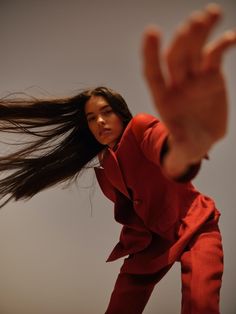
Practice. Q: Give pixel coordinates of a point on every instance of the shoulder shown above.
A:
(144, 119)
(141, 122)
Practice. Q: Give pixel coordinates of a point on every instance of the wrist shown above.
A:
(177, 162)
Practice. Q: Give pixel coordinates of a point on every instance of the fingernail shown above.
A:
(214, 8)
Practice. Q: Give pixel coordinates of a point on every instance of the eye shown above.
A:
(91, 118)
(107, 111)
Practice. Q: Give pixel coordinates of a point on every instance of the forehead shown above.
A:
(95, 103)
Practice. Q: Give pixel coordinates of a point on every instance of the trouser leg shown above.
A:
(131, 292)
(202, 268)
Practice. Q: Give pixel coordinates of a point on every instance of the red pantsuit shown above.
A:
(163, 221)
(201, 266)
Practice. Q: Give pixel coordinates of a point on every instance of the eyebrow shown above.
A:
(103, 107)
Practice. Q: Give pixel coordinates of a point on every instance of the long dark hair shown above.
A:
(61, 143)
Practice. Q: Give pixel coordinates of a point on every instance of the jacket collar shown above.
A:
(113, 172)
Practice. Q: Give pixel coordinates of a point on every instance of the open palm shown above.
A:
(188, 86)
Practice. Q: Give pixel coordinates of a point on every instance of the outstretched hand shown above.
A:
(188, 87)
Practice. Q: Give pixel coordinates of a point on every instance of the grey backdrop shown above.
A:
(53, 248)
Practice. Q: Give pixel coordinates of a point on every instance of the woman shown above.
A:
(145, 165)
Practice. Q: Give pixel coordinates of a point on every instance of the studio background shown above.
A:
(53, 248)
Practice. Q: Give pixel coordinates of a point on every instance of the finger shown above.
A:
(152, 64)
(201, 24)
(214, 52)
(184, 54)
(176, 56)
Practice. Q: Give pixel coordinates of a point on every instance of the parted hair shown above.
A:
(60, 144)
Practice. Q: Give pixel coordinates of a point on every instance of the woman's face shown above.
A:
(103, 122)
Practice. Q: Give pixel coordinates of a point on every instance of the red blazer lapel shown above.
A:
(105, 185)
(113, 172)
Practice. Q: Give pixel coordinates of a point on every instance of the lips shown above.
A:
(104, 132)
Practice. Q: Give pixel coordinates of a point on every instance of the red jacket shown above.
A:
(159, 216)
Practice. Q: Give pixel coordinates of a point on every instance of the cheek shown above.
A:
(93, 129)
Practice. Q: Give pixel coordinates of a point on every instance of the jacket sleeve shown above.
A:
(152, 135)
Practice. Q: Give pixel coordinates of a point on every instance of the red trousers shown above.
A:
(201, 273)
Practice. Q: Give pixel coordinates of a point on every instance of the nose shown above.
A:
(100, 120)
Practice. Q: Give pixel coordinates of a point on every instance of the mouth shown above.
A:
(104, 132)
